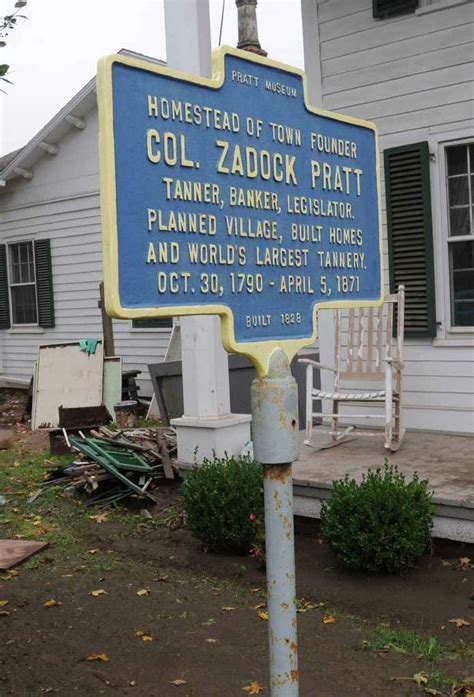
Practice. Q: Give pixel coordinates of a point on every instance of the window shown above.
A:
(389, 8)
(460, 198)
(26, 286)
(153, 323)
(22, 283)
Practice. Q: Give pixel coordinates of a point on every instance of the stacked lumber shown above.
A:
(113, 465)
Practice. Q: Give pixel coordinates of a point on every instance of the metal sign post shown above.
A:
(233, 196)
(275, 438)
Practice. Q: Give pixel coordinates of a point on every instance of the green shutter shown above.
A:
(386, 8)
(152, 323)
(410, 237)
(4, 300)
(44, 283)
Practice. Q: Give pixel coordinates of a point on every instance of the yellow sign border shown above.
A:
(259, 351)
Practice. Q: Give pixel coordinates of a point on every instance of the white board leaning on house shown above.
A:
(65, 376)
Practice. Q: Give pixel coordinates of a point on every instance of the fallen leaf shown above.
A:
(52, 603)
(98, 657)
(211, 641)
(464, 562)
(228, 609)
(209, 622)
(100, 517)
(260, 605)
(255, 590)
(420, 678)
(92, 551)
(459, 622)
(144, 636)
(96, 593)
(143, 591)
(178, 682)
(432, 691)
(305, 605)
(329, 619)
(254, 688)
(184, 615)
(263, 614)
(4, 602)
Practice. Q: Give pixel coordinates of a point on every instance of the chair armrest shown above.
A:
(398, 365)
(316, 364)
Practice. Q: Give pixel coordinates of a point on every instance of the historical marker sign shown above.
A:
(233, 196)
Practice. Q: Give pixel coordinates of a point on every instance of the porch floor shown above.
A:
(446, 461)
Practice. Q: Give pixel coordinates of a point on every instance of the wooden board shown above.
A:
(65, 376)
(13, 552)
(112, 386)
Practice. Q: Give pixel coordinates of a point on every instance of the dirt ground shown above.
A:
(173, 620)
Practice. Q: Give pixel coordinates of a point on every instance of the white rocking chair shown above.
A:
(365, 349)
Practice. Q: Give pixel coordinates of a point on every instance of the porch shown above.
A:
(446, 461)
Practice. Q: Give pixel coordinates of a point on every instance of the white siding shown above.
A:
(413, 76)
(61, 203)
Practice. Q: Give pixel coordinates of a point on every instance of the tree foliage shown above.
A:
(7, 23)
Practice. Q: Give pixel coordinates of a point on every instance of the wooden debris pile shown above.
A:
(113, 465)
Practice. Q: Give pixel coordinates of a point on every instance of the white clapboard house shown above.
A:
(404, 64)
(50, 248)
(408, 66)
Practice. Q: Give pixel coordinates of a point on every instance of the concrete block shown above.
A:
(200, 438)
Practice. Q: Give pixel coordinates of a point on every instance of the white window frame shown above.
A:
(25, 325)
(427, 6)
(450, 331)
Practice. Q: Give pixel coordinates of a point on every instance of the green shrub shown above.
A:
(223, 501)
(381, 524)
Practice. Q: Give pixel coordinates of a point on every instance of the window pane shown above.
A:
(457, 159)
(459, 221)
(463, 288)
(464, 314)
(15, 263)
(21, 263)
(462, 283)
(462, 255)
(24, 304)
(458, 191)
(471, 157)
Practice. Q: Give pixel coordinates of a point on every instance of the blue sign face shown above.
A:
(239, 197)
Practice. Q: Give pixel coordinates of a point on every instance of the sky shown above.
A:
(54, 52)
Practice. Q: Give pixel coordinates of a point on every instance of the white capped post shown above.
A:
(207, 426)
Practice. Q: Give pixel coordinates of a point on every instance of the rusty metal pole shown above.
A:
(275, 439)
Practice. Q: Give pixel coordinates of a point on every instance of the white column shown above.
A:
(312, 65)
(207, 426)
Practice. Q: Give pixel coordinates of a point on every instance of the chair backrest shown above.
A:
(364, 337)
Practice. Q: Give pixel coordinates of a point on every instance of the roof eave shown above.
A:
(70, 116)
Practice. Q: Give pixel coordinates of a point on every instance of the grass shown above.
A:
(410, 642)
(428, 648)
(439, 681)
(64, 521)
(56, 517)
